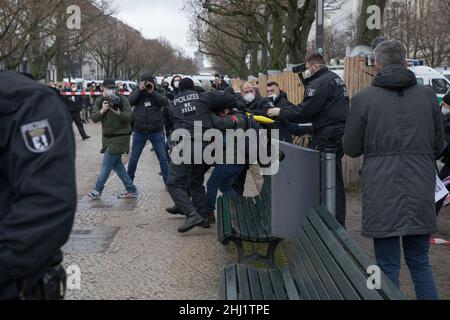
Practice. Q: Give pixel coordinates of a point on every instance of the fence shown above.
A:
(357, 77)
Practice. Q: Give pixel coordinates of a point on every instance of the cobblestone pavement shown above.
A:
(148, 259)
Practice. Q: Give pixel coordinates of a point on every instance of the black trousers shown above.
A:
(76, 117)
(186, 188)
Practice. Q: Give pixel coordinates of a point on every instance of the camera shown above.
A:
(299, 68)
(114, 102)
(149, 85)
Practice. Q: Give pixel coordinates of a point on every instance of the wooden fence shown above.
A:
(357, 77)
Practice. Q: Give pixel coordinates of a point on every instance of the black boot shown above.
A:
(174, 210)
(193, 220)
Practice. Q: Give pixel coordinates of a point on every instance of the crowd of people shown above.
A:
(397, 125)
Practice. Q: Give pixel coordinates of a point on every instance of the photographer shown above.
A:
(148, 117)
(114, 112)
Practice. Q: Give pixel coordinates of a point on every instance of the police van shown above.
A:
(432, 78)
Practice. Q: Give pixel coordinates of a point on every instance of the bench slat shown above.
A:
(244, 288)
(253, 220)
(231, 282)
(278, 285)
(226, 232)
(255, 285)
(266, 285)
(235, 223)
(249, 232)
(302, 278)
(289, 284)
(338, 276)
(313, 275)
(265, 215)
(261, 227)
(388, 288)
(353, 272)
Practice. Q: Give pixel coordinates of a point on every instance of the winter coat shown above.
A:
(397, 126)
(116, 129)
(326, 106)
(148, 111)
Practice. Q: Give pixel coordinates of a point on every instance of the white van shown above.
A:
(433, 78)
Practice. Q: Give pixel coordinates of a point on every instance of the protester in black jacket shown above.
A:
(148, 115)
(37, 188)
(253, 102)
(76, 104)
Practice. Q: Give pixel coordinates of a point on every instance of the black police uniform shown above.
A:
(326, 105)
(37, 187)
(76, 105)
(186, 180)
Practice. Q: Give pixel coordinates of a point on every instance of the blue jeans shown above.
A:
(114, 162)
(159, 145)
(416, 248)
(222, 178)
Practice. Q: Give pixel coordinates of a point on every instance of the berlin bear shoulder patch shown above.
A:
(311, 92)
(38, 136)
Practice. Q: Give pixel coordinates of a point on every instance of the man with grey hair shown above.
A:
(397, 126)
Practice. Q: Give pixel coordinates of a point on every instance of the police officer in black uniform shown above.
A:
(326, 105)
(37, 188)
(186, 179)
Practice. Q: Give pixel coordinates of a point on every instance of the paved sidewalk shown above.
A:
(147, 258)
(130, 249)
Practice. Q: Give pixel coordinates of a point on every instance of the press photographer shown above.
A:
(114, 112)
(148, 115)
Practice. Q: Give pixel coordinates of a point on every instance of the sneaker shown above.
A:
(94, 195)
(128, 195)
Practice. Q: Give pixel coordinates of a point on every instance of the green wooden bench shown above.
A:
(248, 219)
(326, 264)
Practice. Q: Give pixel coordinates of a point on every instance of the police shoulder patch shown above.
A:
(38, 136)
(311, 92)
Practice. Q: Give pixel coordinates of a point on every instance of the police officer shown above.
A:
(76, 104)
(326, 106)
(37, 188)
(186, 179)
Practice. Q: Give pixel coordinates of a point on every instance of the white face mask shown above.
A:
(307, 74)
(249, 98)
(445, 111)
(274, 97)
(176, 84)
(109, 92)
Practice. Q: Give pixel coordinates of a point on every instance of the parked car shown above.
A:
(433, 78)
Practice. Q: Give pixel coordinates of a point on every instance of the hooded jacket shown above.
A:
(397, 125)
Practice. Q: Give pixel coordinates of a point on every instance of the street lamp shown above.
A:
(320, 12)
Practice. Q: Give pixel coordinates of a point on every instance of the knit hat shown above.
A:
(187, 84)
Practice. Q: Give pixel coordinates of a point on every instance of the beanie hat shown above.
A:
(187, 84)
